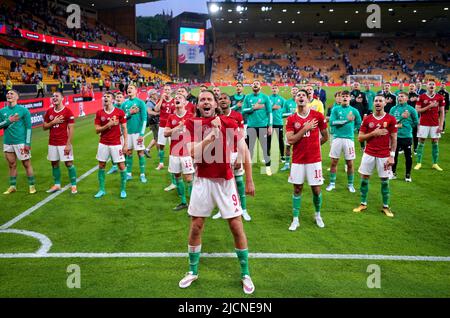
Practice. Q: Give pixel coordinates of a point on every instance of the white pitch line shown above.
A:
(233, 255)
(48, 199)
(46, 244)
(43, 202)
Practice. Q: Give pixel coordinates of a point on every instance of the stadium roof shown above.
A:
(284, 17)
(108, 4)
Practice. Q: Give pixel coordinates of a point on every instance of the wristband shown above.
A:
(392, 154)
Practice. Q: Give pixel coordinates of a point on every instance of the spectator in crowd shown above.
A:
(2, 92)
(9, 84)
(61, 85)
(107, 84)
(12, 66)
(100, 84)
(40, 89)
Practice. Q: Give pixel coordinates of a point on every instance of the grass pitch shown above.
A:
(145, 222)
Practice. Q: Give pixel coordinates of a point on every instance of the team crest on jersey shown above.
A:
(385, 124)
(174, 122)
(425, 101)
(371, 125)
(103, 118)
(297, 125)
(52, 117)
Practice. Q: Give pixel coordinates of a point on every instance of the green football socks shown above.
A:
(419, 152)
(243, 261)
(241, 191)
(364, 190)
(296, 203)
(435, 152)
(101, 179)
(385, 192)
(194, 258)
(72, 175)
(56, 171)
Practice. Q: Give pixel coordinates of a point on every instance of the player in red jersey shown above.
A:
(380, 131)
(60, 121)
(180, 160)
(306, 130)
(236, 163)
(165, 107)
(212, 139)
(190, 107)
(107, 121)
(431, 109)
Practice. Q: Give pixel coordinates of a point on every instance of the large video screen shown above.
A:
(192, 36)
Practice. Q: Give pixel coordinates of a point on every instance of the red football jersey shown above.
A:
(307, 150)
(111, 136)
(379, 146)
(431, 116)
(215, 161)
(179, 140)
(191, 108)
(167, 108)
(240, 122)
(58, 133)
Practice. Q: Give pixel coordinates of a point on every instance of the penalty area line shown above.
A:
(49, 198)
(233, 255)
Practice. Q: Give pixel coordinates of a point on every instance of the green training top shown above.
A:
(343, 127)
(137, 122)
(261, 117)
(16, 132)
(370, 96)
(277, 114)
(289, 107)
(408, 123)
(235, 99)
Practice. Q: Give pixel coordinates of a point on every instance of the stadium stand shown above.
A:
(34, 16)
(303, 58)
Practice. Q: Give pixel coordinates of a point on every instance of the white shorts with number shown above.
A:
(184, 165)
(312, 172)
(134, 144)
(161, 139)
(56, 153)
(116, 153)
(428, 132)
(342, 145)
(210, 193)
(18, 150)
(240, 171)
(368, 163)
